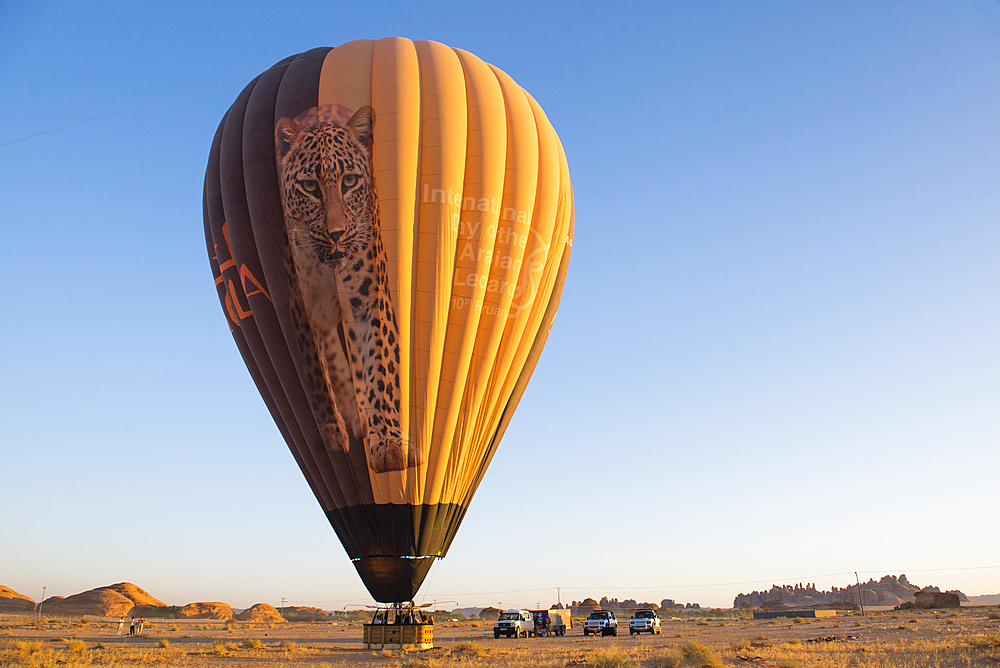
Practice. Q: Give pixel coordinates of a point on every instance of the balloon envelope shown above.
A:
(389, 225)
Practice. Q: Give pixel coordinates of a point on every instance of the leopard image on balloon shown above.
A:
(341, 305)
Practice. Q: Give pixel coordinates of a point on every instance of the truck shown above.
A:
(552, 622)
(514, 624)
(601, 621)
(644, 620)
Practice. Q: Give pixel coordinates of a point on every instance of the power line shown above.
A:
(119, 111)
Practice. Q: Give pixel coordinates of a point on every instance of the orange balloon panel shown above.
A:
(389, 224)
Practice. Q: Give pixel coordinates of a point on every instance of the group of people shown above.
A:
(407, 617)
(134, 629)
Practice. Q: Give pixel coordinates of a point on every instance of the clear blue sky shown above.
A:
(776, 357)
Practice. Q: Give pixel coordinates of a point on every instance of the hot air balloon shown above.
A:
(389, 224)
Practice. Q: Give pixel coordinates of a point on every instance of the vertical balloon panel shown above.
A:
(391, 348)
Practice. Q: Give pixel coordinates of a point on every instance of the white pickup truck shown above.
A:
(601, 621)
(643, 621)
(514, 624)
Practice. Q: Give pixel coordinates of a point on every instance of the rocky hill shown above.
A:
(889, 591)
(209, 610)
(261, 612)
(11, 601)
(303, 613)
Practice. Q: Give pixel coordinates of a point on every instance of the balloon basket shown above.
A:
(398, 636)
(399, 626)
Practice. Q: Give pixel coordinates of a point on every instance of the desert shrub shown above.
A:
(84, 620)
(795, 642)
(100, 645)
(611, 657)
(220, 647)
(740, 645)
(994, 615)
(700, 655)
(798, 620)
(419, 662)
(468, 647)
(290, 646)
(76, 645)
(668, 658)
(788, 663)
(30, 647)
(164, 643)
(251, 643)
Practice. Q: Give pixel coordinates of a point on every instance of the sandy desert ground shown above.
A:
(969, 636)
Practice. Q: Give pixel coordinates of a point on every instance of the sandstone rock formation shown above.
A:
(261, 612)
(111, 601)
(301, 613)
(136, 594)
(97, 602)
(11, 601)
(209, 610)
(889, 591)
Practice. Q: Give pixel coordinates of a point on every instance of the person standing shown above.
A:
(142, 621)
(121, 624)
(131, 627)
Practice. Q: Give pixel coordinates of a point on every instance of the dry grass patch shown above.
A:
(987, 641)
(700, 655)
(468, 648)
(666, 658)
(612, 657)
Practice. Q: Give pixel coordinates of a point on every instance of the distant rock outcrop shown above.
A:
(936, 599)
(11, 601)
(261, 612)
(302, 613)
(209, 610)
(671, 604)
(490, 613)
(889, 591)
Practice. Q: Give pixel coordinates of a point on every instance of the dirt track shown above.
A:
(340, 643)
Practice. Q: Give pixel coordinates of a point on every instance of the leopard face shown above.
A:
(327, 188)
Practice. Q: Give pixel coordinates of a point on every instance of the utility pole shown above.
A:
(282, 606)
(559, 596)
(861, 598)
(40, 602)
